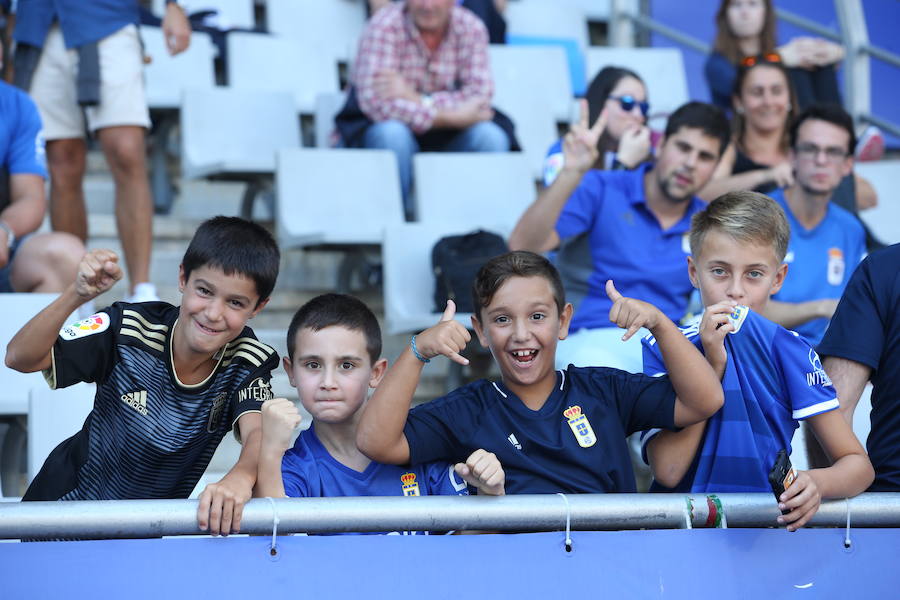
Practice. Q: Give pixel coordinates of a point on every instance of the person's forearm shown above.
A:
(670, 453)
(269, 480)
(24, 217)
(848, 476)
(247, 464)
(849, 379)
(535, 227)
(791, 314)
(29, 350)
(380, 432)
(698, 390)
(747, 180)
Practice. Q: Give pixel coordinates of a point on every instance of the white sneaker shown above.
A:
(143, 292)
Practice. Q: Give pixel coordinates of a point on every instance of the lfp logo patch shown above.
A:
(410, 487)
(580, 427)
(94, 324)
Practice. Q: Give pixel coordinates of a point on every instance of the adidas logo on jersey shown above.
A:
(512, 440)
(137, 401)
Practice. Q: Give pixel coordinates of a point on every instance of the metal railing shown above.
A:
(853, 36)
(154, 518)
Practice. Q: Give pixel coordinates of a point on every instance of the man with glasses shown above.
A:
(827, 242)
(637, 224)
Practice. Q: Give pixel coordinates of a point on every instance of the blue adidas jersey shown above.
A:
(820, 261)
(575, 443)
(309, 471)
(772, 380)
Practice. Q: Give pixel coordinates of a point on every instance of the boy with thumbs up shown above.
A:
(553, 431)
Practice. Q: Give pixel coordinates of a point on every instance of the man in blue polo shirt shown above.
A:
(827, 242)
(82, 62)
(862, 343)
(29, 262)
(637, 223)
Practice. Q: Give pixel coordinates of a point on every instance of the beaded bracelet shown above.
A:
(415, 351)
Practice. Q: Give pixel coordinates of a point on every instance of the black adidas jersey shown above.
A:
(148, 435)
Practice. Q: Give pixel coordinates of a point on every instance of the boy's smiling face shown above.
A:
(521, 326)
(730, 269)
(332, 372)
(215, 307)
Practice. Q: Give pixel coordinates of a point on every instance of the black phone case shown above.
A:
(781, 476)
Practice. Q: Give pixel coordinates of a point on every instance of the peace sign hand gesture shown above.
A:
(580, 144)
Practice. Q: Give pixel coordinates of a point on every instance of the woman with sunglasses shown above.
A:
(763, 101)
(747, 28)
(626, 141)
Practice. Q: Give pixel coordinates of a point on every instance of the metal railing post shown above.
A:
(855, 34)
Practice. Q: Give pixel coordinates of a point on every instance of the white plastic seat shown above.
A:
(53, 416)
(263, 62)
(559, 19)
(167, 76)
(884, 219)
(336, 197)
(537, 72)
(464, 189)
(18, 309)
(328, 105)
(330, 26)
(662, 70)
(231, 13)
(226, 132)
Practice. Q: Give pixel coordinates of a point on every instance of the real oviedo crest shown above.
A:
(580, 427)
(410, 487)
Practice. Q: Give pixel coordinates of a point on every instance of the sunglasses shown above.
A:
(751, 61)
(628, 102)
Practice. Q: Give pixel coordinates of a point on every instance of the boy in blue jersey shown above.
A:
(771, 376)
(334, 345)
(171, 381)
(553, 431)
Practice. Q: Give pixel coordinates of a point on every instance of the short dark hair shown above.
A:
(520, 263)
(707, 118)
(336, 310)
(235, 245)
(831, 113)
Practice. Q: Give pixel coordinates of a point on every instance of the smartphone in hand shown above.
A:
(781, 476)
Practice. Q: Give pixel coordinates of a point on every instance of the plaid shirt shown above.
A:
(457, 71)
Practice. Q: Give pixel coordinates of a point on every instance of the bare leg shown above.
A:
(125, 154)
(66, 160)
(46, 262)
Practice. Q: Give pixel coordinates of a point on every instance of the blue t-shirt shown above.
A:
(575, 443)
(820, 260)
(554, 162)
(309, 471)
(627, 245)
(81, 21)
(21, 141)
(772, 380)
(866, 328)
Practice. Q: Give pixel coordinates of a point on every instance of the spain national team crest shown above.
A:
(580, 427)
(410, 487)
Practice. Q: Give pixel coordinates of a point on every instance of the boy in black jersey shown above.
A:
(171, 381)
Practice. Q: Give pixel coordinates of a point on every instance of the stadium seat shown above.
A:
(332, 27)
(459, 189)
(539, 72)
(662, 69)
(14, 386)
(327, 107)
(235, 135)
(231, 13)
(54, 415)
(561, 19)
(884, 219)
(167, 76)
(270, 63)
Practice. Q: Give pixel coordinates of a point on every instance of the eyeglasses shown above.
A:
(628, 102)
(750, 61)
(833, 154)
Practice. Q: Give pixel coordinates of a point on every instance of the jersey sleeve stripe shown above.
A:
(252, 359)
(136, 315)
(816, 409)
(50, 374)
(148, 334)
(137, 334)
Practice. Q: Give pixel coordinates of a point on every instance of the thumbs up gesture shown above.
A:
(631, 314)
(448, 337)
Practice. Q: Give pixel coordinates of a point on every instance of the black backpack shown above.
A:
(456, 260)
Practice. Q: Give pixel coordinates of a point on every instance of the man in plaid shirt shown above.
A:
(422, 75)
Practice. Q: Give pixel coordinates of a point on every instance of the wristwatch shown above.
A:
(10, 235)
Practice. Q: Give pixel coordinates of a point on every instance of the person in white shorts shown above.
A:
(82, 62)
